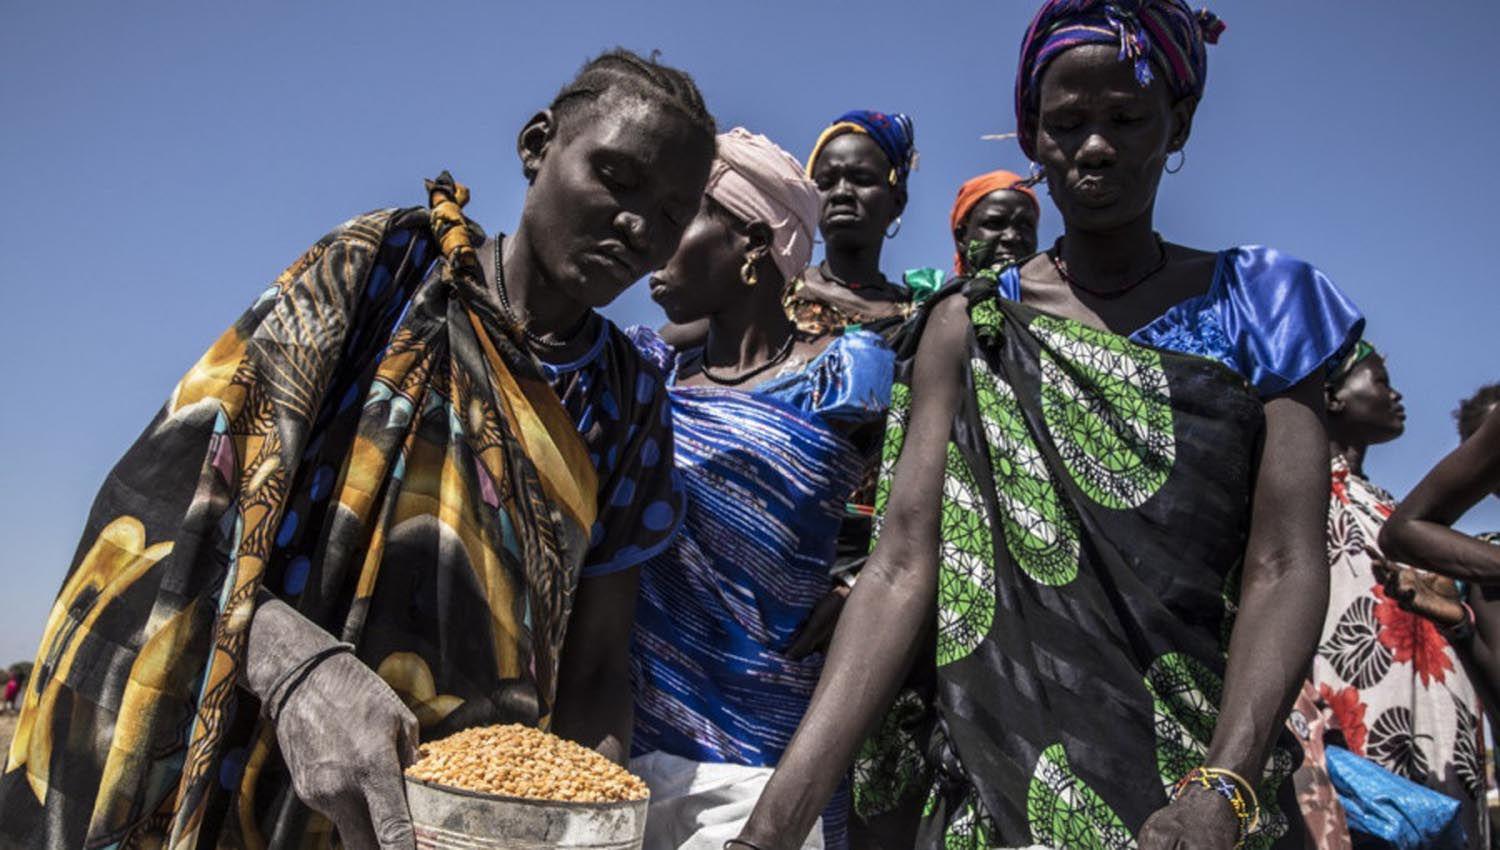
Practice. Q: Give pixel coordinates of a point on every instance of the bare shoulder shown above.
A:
(947, 331)
(1191, 260)
(1037, 269)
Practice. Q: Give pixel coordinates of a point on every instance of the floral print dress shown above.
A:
(1394, 685)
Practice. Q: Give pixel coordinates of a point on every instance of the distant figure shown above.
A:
(12, 690)
(994, 222)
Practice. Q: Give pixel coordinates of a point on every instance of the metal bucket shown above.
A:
(453, 819)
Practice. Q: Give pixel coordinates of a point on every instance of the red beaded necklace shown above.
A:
(1055, 254)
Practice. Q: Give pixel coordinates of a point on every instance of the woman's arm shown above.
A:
(876, 636)
(1283, 599)
(1284, 591)
(1419, 533)
(344, 734)
(594, 702)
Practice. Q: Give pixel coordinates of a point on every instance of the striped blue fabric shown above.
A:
(767, 473)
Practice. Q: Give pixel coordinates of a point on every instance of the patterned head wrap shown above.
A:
(975, 189)
(757, 181)
(1340, 373)
(1164, 32)
(893, 132)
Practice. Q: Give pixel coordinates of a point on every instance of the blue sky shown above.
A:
(161, 162)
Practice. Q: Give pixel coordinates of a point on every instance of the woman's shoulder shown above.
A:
(849, 380)
(1285, 318)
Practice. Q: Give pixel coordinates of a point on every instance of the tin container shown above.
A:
(454, 819)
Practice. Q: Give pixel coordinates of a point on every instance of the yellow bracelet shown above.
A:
(1233, 788)
(1247, 788)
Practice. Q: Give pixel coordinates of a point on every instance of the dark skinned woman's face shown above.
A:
(858, 201)
(1366, 410)
(1002, 225)
(1103, 139)
(612, 194)
(703, 277)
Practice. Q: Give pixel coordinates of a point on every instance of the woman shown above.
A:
(1127, 556)
(361, 518)
(994, 221)
(1395, 687)
(860, 164)
(762, 416)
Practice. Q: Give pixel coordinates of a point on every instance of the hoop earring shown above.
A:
(748, 275)
(891, 234)
(1182, 161)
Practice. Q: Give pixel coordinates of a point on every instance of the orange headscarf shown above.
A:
(975, 189)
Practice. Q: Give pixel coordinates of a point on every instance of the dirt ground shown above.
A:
(7, 726)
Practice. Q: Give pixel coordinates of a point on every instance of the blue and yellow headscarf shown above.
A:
(1164, 32)
(892, 132)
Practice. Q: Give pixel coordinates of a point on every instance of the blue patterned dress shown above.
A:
(618, 400)
(767, 473)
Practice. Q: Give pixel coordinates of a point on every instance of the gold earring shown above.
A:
(747, 273)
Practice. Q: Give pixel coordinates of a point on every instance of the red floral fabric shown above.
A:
(1388, 677)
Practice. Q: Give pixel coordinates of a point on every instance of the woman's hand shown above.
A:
(1198, 820)
(344, 734)
(346, 737)
(817, 630)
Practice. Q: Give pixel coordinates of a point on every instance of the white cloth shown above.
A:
(757, 181)
(700, 805)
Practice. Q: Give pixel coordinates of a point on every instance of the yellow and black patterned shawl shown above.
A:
(366, 442)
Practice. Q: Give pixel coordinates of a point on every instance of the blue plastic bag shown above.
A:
(1392, 808)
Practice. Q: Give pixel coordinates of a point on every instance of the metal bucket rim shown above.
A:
(530, 801)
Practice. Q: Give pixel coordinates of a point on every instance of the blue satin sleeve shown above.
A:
(848, 383)
(1284, 319)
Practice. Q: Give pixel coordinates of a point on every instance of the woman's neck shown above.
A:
(854, 264)
(532, 296)
(1114, 258)
(1352, 453)
(746, 336)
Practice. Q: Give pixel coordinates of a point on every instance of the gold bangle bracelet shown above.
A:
(1245, 786)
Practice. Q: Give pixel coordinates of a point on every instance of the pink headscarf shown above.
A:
(757, 181)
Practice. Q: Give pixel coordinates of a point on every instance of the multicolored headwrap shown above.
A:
(1340, 373)
(893, 132)
(756, 180)
(1165, 32)
(975, 189)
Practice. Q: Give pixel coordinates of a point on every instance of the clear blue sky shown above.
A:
(161, 162)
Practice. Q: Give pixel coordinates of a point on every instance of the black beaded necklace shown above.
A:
(781, 354)
(558, 341)
(1062, 271)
